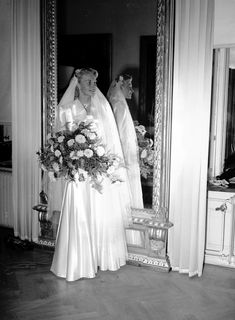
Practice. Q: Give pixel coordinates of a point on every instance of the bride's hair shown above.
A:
(123, 77)
(80, 72)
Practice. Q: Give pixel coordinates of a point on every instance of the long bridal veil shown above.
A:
(128, 140)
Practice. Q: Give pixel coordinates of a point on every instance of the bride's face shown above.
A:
(127, 88)
(87, 84)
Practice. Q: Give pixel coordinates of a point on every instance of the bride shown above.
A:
(120, 90)
(91, 232)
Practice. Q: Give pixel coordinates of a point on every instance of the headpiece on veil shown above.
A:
(80, 72)
(115, 89)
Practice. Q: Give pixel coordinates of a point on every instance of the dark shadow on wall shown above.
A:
(86, 51)
(147, 79)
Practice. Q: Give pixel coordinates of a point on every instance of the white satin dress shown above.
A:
(130, 150)
(91, 232)
(129, 146)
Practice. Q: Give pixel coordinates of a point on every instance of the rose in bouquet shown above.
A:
(79, 154)
(146, 153)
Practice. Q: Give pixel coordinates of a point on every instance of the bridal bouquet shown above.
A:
(80, 155)
(146, 154)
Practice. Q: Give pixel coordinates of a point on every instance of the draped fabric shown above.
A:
(190, 133)
(91, 233)
(218, 111)
(26, 115)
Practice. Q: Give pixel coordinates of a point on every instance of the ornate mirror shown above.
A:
(222, 112)
(150, 224)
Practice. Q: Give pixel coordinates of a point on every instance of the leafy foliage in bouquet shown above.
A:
(79, 154)
(146, 154)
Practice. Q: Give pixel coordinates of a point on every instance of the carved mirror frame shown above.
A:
(153, 223)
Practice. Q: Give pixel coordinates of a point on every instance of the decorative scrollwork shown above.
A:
(162, 119)
(154, 221)
(49, 68)
(152, 262)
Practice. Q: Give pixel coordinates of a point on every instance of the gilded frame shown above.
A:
(153, 221)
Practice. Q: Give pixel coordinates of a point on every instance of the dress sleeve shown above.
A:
(70, 116)
(64, 117)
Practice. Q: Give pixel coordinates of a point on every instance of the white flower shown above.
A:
(52, 149)
(150, 142)
(43, 167)
(55, 166)
(70, 142)
(74, 172)
(150, 156)
(91, 135)
(71, 154)
(111, 170)
(80, 153)
(99, 178)
(83, 173)
(80, 138)
(116, 163)
(57, 153)
(88, 119)
(61, 159)
(85, 132)
(88, 153)
(93, 126)
(69, 164)
(120, 79)
(61, 139)
(100, 151)
(143, 154)
(141, 129)
(51, 176)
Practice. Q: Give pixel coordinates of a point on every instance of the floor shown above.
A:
(29, 291)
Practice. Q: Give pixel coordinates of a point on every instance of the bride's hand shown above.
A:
(71, 126)
(76, 125)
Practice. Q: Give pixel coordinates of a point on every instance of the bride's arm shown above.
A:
(71, 116)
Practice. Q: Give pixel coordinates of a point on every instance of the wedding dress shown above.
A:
(130, 150)
(128, 139)
(91, 231)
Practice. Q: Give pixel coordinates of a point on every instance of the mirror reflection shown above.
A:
(109, 38)
(113, 30)
(222, 143)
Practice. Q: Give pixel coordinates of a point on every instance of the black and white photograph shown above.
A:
(117, 160)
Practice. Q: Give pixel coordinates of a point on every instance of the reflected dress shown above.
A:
(129, 144)
(91, 231)
(130, 151)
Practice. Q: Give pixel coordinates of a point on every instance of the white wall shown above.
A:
(224, 32)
